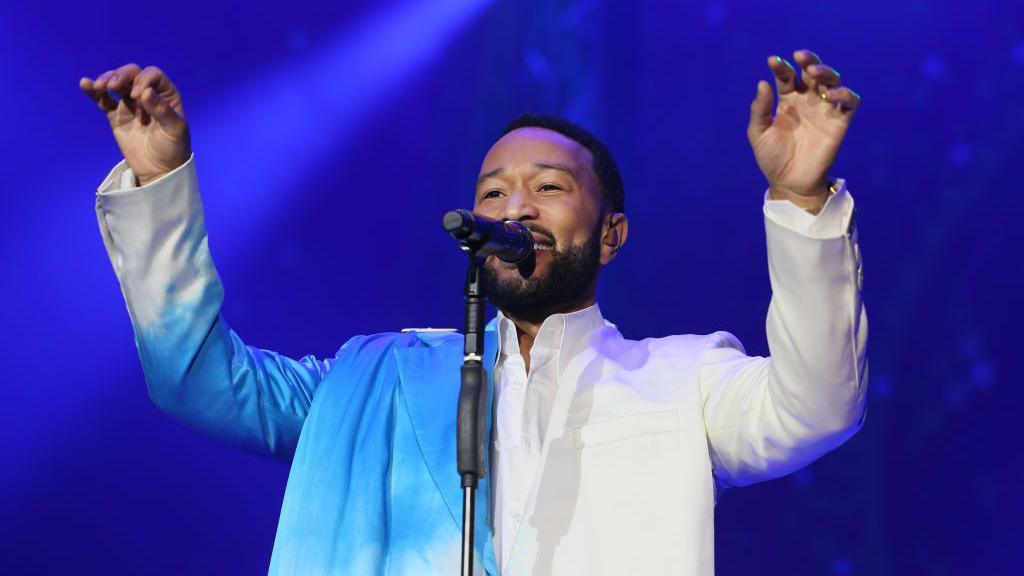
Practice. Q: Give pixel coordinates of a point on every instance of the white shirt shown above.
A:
(523, 401)
(522, 406)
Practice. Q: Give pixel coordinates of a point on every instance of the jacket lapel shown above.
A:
(430, 384)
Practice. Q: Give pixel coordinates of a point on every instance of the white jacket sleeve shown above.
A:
(766, 417)
(196, 367)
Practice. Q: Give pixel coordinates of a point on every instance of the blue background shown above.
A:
(311, 119)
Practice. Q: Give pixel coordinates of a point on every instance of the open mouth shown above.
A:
(541, 243)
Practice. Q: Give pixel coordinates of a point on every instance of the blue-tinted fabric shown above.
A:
(373, 487)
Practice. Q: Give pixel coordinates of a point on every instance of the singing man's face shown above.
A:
(546, 181)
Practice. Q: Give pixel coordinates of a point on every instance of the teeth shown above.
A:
(542, 247)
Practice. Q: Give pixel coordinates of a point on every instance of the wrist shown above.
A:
(812, 201)
(156, 172)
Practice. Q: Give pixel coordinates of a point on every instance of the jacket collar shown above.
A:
(430, 385)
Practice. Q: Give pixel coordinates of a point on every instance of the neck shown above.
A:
(528, 322)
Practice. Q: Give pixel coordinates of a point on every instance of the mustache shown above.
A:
(538, 229)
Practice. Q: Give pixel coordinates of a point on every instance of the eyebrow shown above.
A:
(559, 167)
(491, 174)
(499, 171)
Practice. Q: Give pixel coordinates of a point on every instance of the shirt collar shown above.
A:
(555, 331)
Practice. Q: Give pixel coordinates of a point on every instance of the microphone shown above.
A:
(509, 240)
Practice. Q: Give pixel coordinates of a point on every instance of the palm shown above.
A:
(149, 147)
(797, 146)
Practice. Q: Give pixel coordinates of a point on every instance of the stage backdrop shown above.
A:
(330, 137)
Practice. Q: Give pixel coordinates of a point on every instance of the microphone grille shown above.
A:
(525, 249)
(524, 231)
(458, 223)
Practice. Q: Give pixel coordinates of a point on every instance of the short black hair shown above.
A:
(603, 162)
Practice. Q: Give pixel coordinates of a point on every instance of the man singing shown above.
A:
(606, 455)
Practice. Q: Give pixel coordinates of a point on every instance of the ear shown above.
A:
(613, 235)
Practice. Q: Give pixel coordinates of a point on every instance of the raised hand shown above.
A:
(147, 118)
(796, 148)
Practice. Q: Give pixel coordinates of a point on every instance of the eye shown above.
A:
(547, 187)
(491, 194)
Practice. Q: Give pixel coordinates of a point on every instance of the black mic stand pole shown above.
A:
(512, 242)
(472, 411)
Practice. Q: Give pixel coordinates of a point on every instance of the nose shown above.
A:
(519, 206)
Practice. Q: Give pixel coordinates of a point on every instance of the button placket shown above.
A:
(515, 506)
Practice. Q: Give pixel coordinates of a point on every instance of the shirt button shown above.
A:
(517, 517)
(517, 385)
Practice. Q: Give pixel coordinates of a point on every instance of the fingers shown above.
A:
(132, 85)
(785, 75)
(119, 80)
(103, 89)
(815, 76)
(845, 99)
(100, 97)
(153, 77)
(821, 80)
(822, 75)
(761, 111)
(805, 59)
(825, 81)
(158, 96)
(159, 108)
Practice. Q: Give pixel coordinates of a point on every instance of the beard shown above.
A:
(569, 276)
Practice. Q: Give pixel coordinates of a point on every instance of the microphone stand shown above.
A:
(510, 241)
(472, 409)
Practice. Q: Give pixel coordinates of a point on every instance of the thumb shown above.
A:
(160, 110)
(761, 110)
